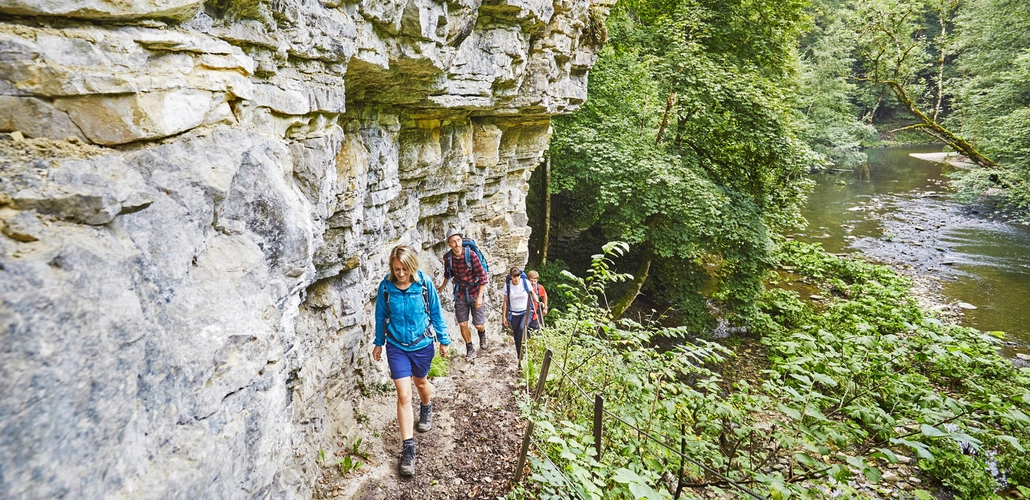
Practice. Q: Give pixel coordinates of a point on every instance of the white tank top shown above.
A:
(518, 298)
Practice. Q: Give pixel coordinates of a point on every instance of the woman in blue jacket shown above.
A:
(407, 313)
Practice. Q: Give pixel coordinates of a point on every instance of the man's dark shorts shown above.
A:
(463, 307)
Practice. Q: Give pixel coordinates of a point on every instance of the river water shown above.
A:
(897, 209)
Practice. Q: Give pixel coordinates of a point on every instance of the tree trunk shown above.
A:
(621, 305)
(868, 120)
(935, 129)
(665, 118)
(545, 240)
(639, 278)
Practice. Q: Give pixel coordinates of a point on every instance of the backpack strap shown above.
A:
(448, 269)
(425, 298)
(386, 296)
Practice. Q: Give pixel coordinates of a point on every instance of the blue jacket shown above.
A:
(407, 320)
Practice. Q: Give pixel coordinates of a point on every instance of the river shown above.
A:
(897, 209)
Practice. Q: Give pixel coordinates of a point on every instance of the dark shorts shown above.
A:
(407, 364)
(463, 308)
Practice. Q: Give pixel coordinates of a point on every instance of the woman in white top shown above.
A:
(519, 303)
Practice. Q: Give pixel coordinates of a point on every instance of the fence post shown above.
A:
(543, 376)
(683, 454)
(598, 412)
(529, 427)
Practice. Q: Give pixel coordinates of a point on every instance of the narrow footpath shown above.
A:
(472, 449)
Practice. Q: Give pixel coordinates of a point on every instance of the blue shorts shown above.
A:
(406, 364)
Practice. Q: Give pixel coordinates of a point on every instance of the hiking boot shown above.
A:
(408, 460)
(470, 352)
(425, 417)
(483, 342)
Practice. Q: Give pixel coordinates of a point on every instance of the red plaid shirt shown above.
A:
(466, 279)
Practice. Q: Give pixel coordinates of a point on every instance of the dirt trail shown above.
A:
(472, 449)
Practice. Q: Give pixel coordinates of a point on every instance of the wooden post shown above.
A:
(543, 376)
(529, 427)
(598, 412)
(683, 453)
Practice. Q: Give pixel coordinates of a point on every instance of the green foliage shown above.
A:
(850, 386)
(826, 92)
(686, 145)
(439, 367)
(613, 359)
(960, 64)
(966, 475)
(552, 276)
(353, 459)
(871, 365)
(993, 98)
(349, 464)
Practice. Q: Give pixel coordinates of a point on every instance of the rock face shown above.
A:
(196, 204)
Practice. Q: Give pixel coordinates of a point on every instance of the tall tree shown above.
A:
(896, 52)
(686, 147)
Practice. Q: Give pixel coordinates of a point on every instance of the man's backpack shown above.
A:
(469, 246)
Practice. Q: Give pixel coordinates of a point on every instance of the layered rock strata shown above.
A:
(196, 204)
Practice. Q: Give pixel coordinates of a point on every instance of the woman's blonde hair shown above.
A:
(407, 257)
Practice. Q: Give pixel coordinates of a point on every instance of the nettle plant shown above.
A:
(869, 376)
(851, 388)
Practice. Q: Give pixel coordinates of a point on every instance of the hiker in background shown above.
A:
(520, 303)
(465, 264)
(541, 294)
(407, 314)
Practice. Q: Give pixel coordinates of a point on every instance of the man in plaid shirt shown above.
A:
(470, 277)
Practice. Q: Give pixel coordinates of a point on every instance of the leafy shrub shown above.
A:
(966, 475)
(850, 385)
(552, 277)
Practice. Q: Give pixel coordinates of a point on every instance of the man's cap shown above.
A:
(451, 232)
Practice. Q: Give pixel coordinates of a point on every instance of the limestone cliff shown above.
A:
(196, 200)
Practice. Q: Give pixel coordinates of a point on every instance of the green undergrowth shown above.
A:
(856, 384)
